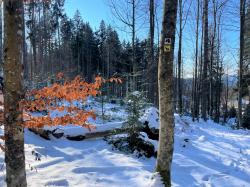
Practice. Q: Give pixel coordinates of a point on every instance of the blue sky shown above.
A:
(92, 11)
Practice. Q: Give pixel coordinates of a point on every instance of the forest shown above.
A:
(140, 93)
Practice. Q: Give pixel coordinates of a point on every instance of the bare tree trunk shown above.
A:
(151, 64)
(219, 73)
(205, 90)
(45, 69)
(25, 61)
(179, 82)
(192, 94)
(13, 93)
(1, 37)
(212, 96)
(195, 103)
(33, 41)
(152, 29)
(199, 100)
(158, 52)
(158, 31)
(226, 100)
(59, 48)
(242, 31)
(125, 17)
(133, 47)
(165, 81)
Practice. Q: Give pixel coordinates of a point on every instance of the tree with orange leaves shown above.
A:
(60, 97)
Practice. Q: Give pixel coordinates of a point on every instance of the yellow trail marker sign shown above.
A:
(167, 48)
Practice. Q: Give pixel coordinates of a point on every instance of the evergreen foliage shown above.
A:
(135, 102)
(232, 112)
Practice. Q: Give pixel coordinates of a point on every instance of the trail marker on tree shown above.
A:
(167, 45)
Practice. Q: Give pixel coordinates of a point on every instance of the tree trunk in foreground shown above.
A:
(13, 93)
(165, 81)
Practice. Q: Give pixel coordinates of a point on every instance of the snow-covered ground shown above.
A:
(205, 154)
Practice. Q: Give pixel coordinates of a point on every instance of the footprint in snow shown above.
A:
(208, 179)
(61, 182)
(37, 155)
(202, 138)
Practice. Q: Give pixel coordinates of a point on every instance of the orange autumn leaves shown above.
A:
(59, 98)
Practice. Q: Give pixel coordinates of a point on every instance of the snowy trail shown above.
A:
(205, 155)
(86, 163)
(214, 156)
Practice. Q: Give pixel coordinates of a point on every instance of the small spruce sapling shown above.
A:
(133, 142)
(135, 102)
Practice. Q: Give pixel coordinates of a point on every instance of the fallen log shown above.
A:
(41, 132)
(94, 135)
(152, 133)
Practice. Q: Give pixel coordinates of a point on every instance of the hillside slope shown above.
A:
(205, 154)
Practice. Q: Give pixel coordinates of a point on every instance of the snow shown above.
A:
(214, 155)
(202, 138)
(114, 113)
(151, 115)
(88, 163)
(205, 154)
(156, 181)
(145, 137)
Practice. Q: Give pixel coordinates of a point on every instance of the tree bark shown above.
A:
(205, 89)
(14, 93)
(212, 92)
(1, 37)
(200, 64)
(242, 30)
(165, 81)
(226, 99)
(133, 48)
(195, 95)
(179, 83)
(151, 64)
